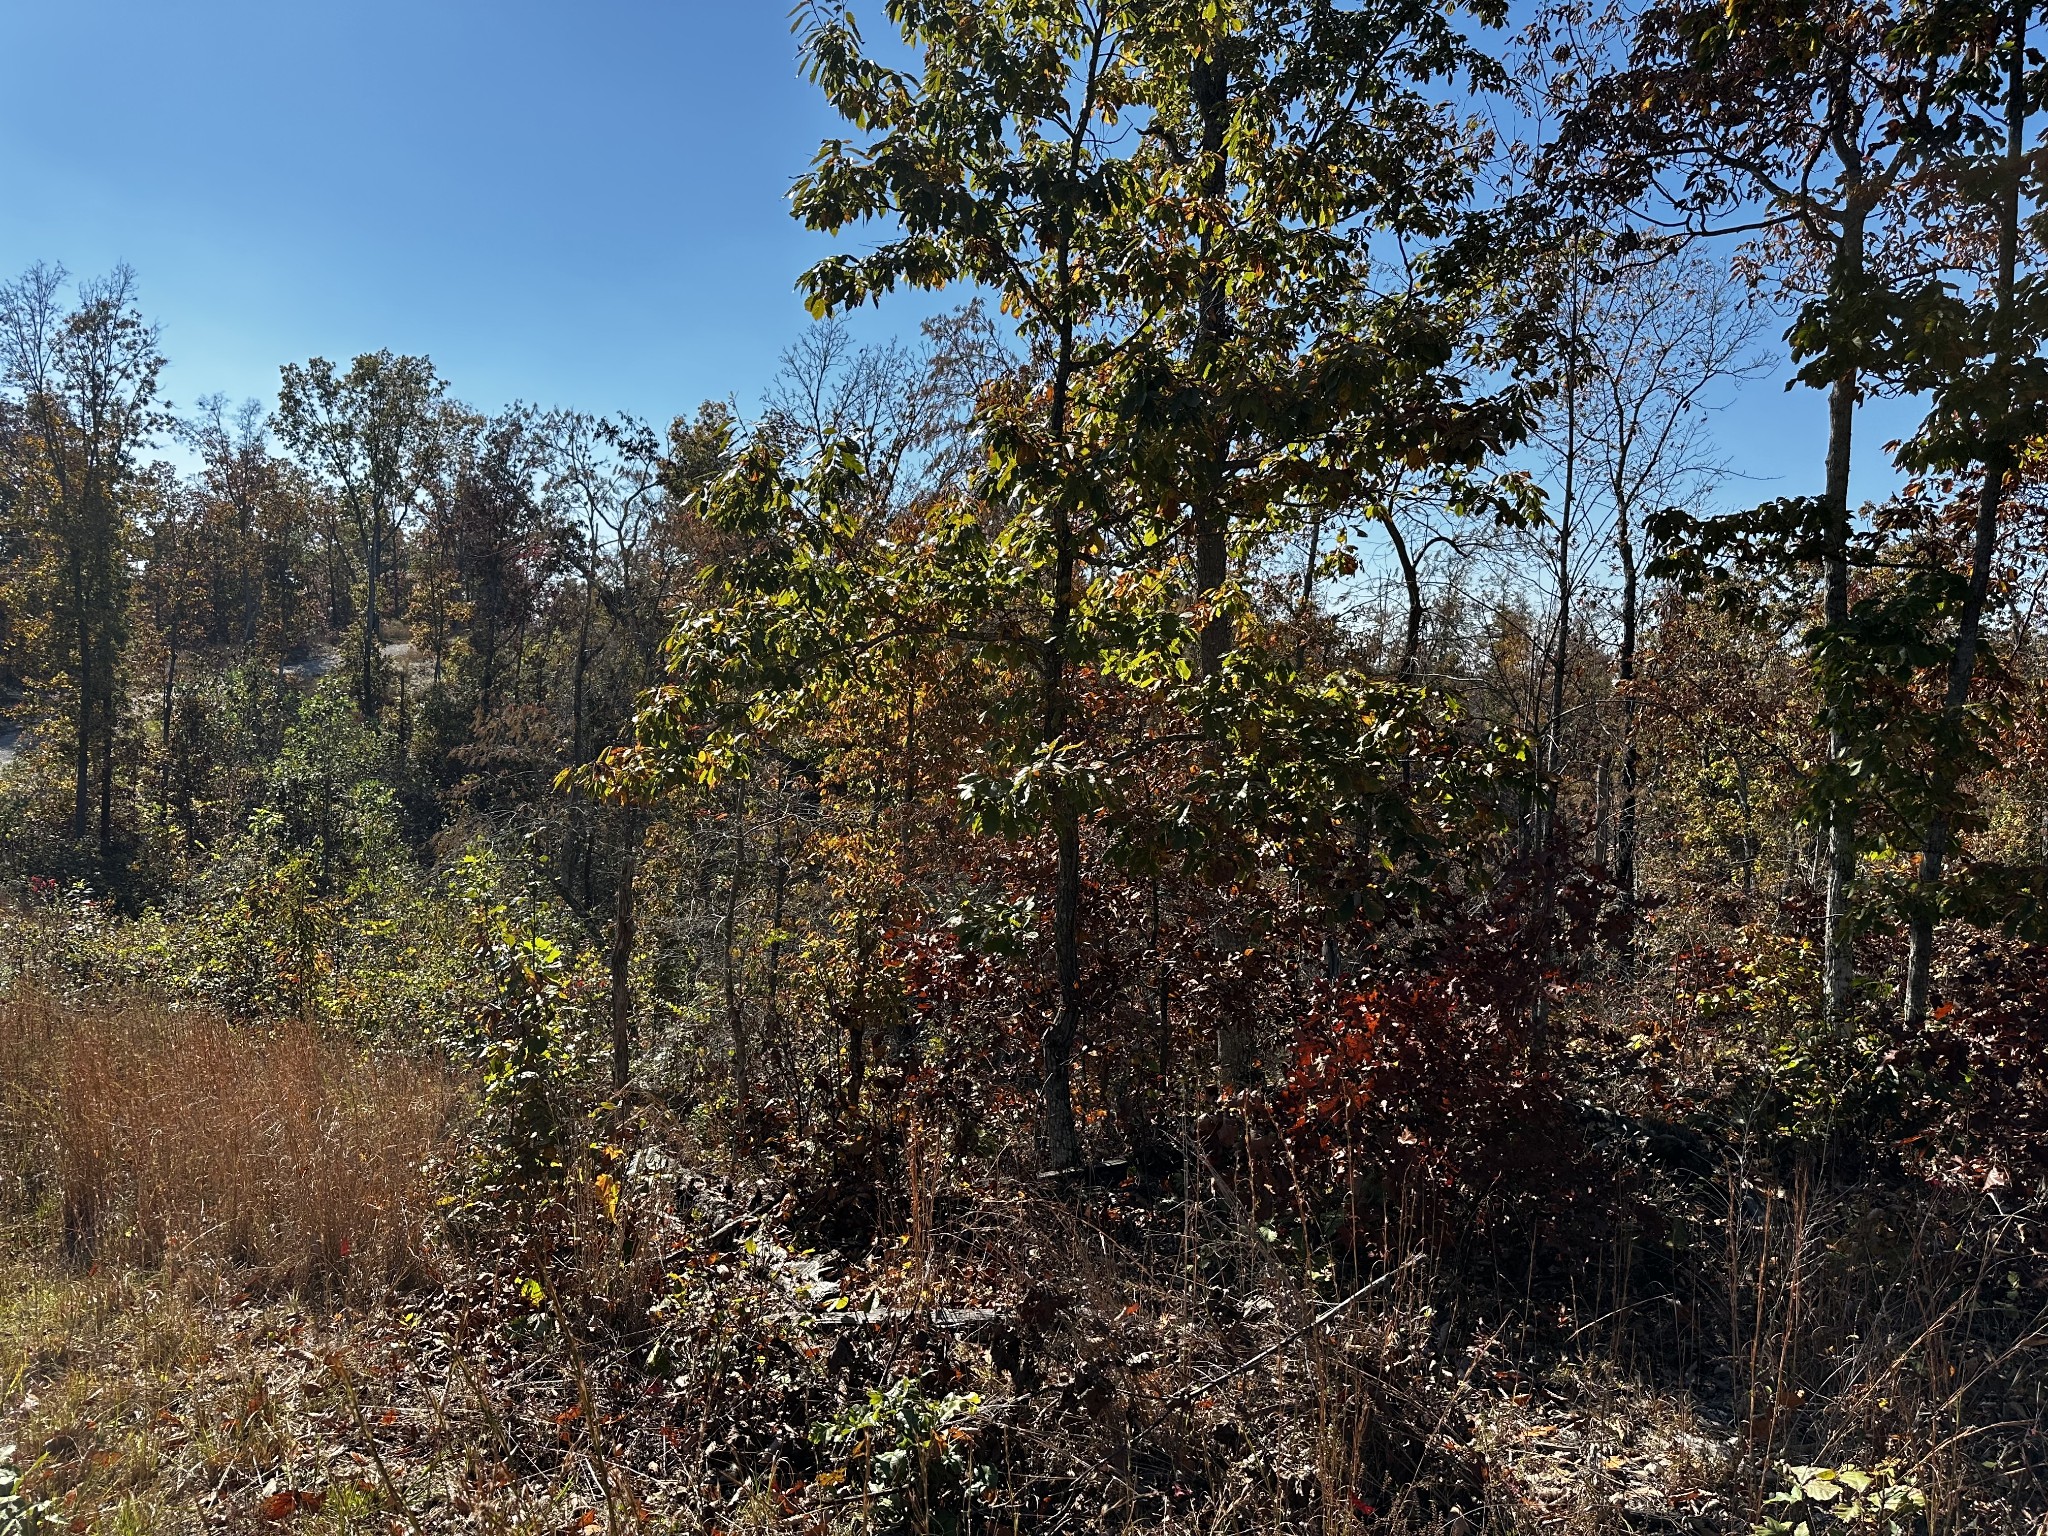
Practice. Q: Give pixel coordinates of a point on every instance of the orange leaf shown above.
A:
(281, 1505)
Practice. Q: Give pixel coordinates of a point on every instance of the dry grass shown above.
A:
(140, 1406)
(161, 1138)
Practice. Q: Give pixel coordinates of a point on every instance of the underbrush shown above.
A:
(689, 1353)
(154, 1137)
(1632, 1290)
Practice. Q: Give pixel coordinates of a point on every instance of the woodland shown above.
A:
(1252, 883)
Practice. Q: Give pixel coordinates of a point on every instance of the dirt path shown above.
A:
(323, 660)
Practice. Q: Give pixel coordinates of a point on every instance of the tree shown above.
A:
(1662, 330)
(372, 433)
(1000, 164)
(1287, 368)
(86, 382)
(1178, 205)
(258, 528)
(1991, 402)
(171, 533)
(1794, 120)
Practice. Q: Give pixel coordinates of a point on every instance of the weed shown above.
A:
(19, 1515)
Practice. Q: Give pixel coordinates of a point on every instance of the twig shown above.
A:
(1277, 1345)
(339, 1368)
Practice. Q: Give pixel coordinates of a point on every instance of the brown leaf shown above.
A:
(281, 1505)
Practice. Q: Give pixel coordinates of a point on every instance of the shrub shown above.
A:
(1416, 1087)
(1818, 1499)
(906, 1454)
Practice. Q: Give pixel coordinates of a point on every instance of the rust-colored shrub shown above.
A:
(1417, 1088)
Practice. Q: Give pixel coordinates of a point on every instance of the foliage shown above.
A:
(1422, 1087)
(906, 1453)
(528, 1043)
(19, 1516)
(1816, 1499)
(1257, 748)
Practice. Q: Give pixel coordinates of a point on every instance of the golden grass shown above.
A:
(140, 1406)
(161, 1138)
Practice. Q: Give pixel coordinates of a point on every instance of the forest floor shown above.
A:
(682, 1337)
(142, 1402)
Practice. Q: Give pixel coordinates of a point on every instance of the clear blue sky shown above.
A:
(575, 203)
(579, 202)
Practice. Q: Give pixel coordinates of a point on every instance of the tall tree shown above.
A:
(1000, 163)
(1287, 363)
(1792, 119)
(372, 433)
(1988, 407)
(255, 543)
(1200, 299)
(86, 382)
(1664, 329)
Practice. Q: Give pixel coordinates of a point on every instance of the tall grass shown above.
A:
(151, 1136)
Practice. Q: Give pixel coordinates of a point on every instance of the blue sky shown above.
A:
(569, 203)
(574, 203)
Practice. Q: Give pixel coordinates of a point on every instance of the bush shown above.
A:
(1412, 1088)
(905, 1454)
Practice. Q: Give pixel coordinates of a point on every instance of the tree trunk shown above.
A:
(1059, 1135)
(1056, 1049)
(1211, 91)
(1625, 673)
(1236, 1048)
(109, 724)
(372, 702)
(165, 713)
(1315, 554)
(249, 575)
(81, 806)
(580, 834)
(1547, 842)
(622, 976)
(1998, 466)
(1603, 808)
(742, 1059)
(1411, 580)
(777, 897)
(1839, 936)
(1560, 655)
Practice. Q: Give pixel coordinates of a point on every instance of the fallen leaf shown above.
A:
(281, 1505)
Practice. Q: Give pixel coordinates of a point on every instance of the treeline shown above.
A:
(1293, 595)
(488, 593)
